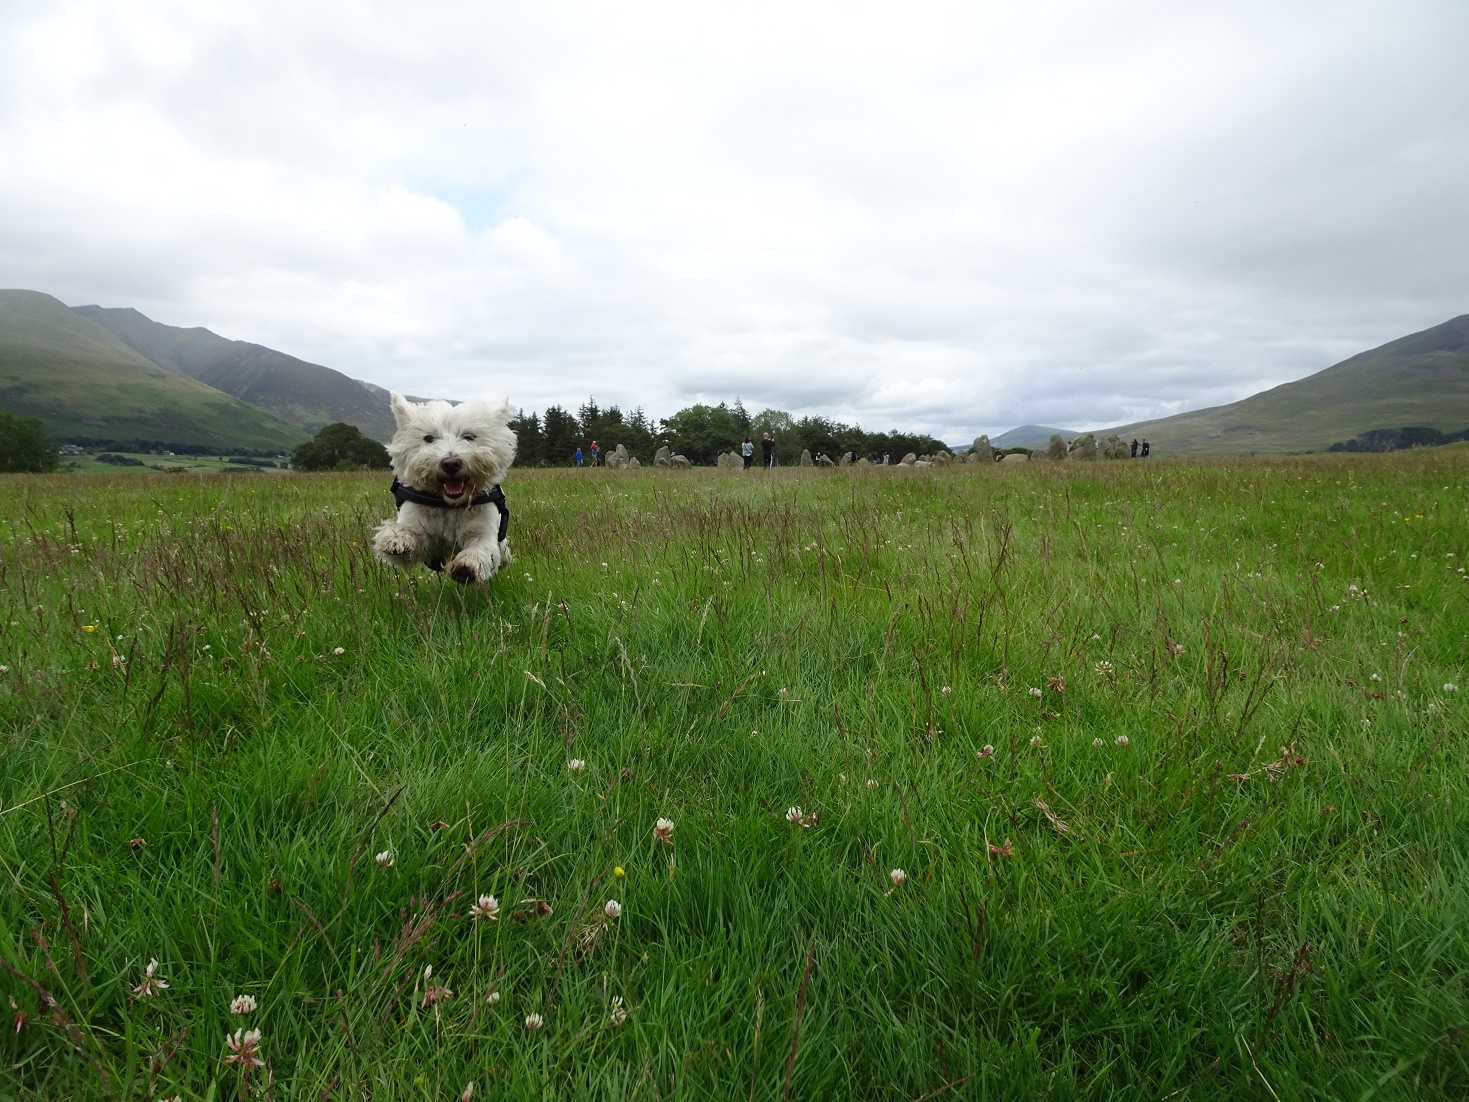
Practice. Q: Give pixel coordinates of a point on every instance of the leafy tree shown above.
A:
(702, 432)
(338, 447)
(23, 445)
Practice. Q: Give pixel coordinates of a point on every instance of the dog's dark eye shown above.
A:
(428, 439)
(469, 436)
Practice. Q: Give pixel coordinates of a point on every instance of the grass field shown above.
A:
(218, 711)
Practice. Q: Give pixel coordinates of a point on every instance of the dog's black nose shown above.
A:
(451, 466)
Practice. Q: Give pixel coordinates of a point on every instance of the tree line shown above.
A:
(700, 432)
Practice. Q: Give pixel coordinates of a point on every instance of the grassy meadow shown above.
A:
(1169, 754)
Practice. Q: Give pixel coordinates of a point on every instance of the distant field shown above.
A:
(1219, 850)
(153, 464)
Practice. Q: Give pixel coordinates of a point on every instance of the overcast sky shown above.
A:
(955, 217)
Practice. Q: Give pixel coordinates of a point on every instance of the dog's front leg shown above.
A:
(482, 554)
(395, 544)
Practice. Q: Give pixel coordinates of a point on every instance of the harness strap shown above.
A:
(493, 496)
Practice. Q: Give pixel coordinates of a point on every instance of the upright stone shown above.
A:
(1083, 447)
(909, 459)
(1056, 449)
(806, 457)
(663, 457)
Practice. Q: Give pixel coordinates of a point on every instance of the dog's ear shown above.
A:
(402, 409)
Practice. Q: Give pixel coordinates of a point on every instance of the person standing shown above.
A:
(577, 457)
(596, 455)
(1145, 448)
(747, 449)
(767, 446)
(1134, 447)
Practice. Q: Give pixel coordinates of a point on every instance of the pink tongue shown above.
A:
(454, 487)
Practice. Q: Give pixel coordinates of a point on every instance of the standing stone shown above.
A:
(982, 448)
(680, 462)
(943, 457)
(1056, 449)
(617, 458)
(1083, 447)
(806, 457)
(862, 461)
(909, 459)
(633, 462)
(663, 457)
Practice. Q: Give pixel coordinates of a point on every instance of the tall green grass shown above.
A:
(1262, 894)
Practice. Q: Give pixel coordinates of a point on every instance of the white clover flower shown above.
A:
(535, 1021)
(619, 1012)
(898, 877)
(486, 906)
(243, 1004)
(663, 830)
(1034, 692)
(244, 1049)
(947, 691)
(793, 815)
(152, 982)
(1037, 741)
(1096, 742)
(1121, 740)
(576, 765)
(1104, 668)
(385, 858)
(987, 752)
(612, 909)
(468, 1095)
(1176, 648)
(1450, 687)
(871, 783)
(1096, 638)
(339, 651)
(1375, 678)
(493, 998)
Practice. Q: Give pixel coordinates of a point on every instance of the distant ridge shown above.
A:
(1420, 380)
(1028, 436)
(299, 393)
(85, 384)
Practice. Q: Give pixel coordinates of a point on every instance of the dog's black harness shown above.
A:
(493, 496)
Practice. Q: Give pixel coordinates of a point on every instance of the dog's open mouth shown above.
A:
(453, 488)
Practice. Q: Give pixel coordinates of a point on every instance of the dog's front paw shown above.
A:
(464, 573)
(392, 542)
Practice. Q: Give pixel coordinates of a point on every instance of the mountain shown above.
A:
(1030, 436)
(85, 383)
(1418, 380)
(299, 393)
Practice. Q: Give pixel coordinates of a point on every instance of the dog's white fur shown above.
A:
(439, 448)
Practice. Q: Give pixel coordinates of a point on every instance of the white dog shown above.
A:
(449, 462)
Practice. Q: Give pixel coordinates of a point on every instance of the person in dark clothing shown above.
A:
(747, 449)
(1145, 449)
(1134, 447)
(767, 447)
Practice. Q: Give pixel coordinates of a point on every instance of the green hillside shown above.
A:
(82, 382)
(303, 394)
(1420, 379)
